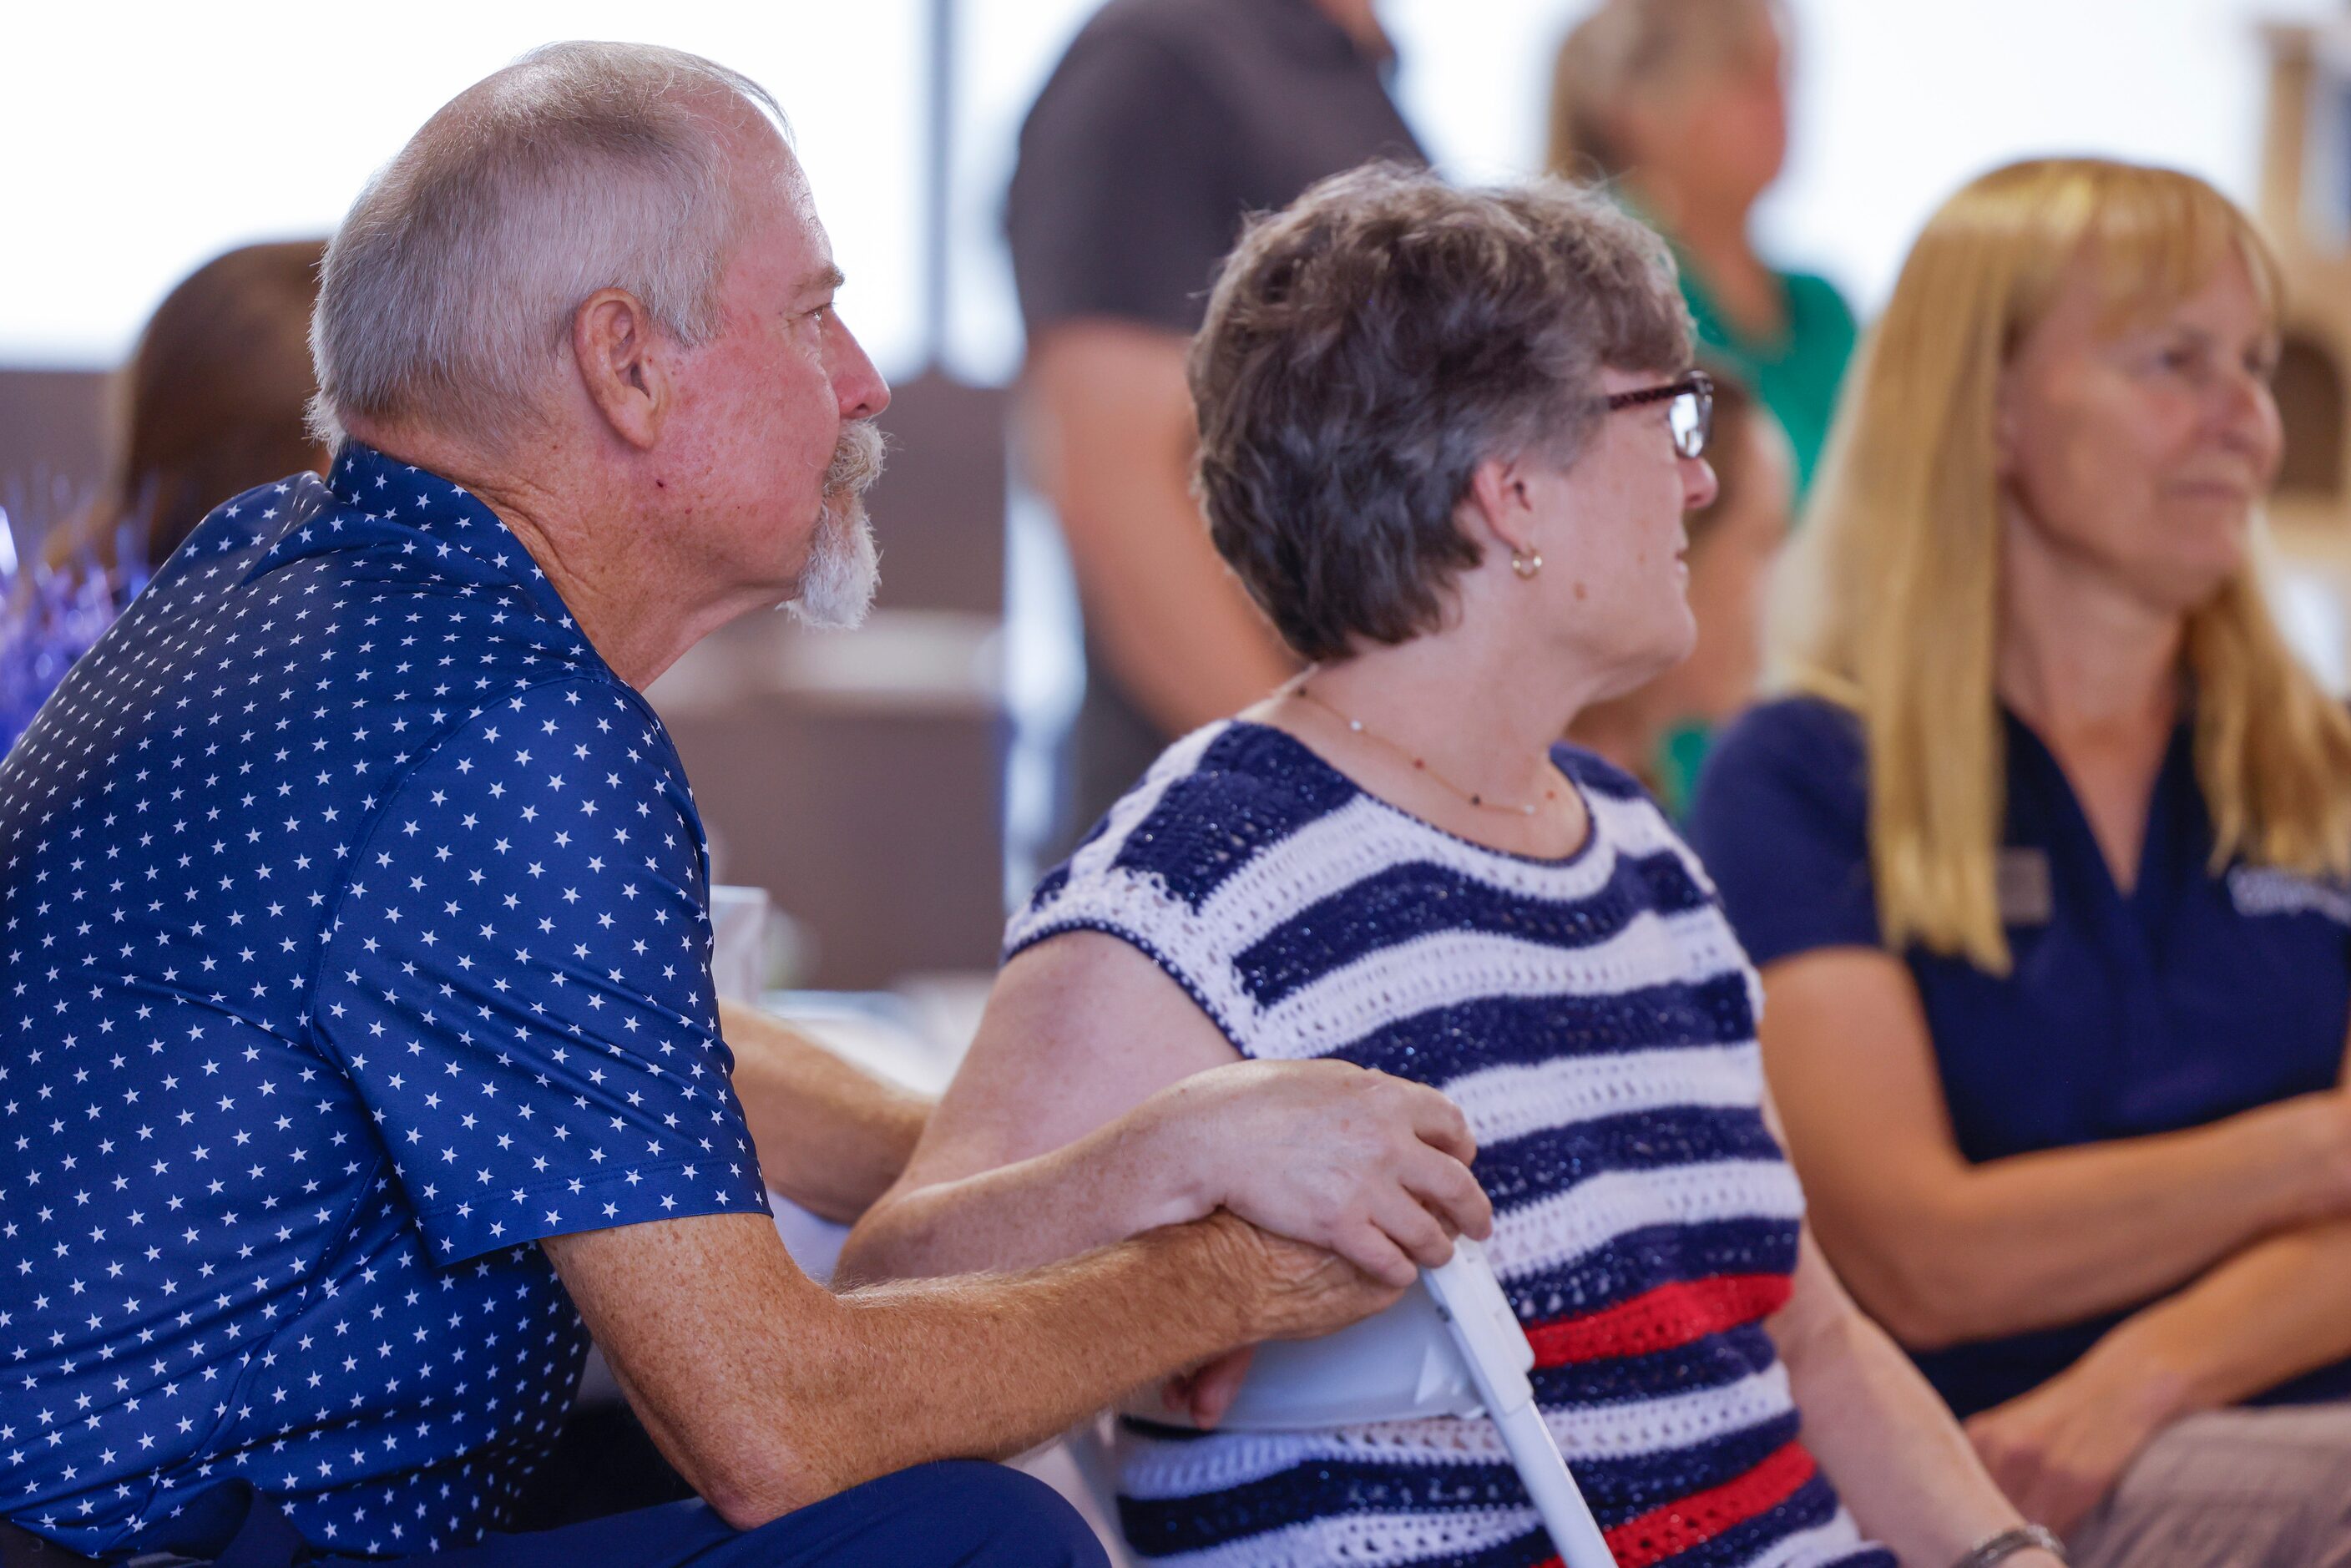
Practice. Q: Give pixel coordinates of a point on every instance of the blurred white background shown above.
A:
(144, 139)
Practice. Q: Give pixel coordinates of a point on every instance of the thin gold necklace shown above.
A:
(1420, 763)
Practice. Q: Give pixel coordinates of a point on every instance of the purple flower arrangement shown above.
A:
(51, 616)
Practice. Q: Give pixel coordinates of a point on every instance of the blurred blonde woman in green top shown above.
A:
(1682, 105)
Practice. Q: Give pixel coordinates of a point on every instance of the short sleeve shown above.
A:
(1115, 897)
(517, 981)
(1121, 205)
(1781, 820)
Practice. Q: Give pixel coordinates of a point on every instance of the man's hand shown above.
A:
(1292, 1290)
(1372, 1167)
(2058, 1450)
(1306, 1293)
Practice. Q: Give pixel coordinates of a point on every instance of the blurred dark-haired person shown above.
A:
(1682, 105)
(1165, 125)
(1658, 732)
(2045, 869)
(1447, 439)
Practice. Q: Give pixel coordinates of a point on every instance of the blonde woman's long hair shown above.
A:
(1892, 585)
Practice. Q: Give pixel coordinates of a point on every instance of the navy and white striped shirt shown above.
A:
(1594, 1018)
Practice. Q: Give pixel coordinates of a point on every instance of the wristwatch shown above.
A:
(2000, 1548)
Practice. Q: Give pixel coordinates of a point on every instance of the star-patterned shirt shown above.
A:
(353, 937)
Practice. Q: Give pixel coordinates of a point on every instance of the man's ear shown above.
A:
(621, 366)
(1497, 512)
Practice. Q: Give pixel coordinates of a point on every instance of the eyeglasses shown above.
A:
(1691, 413)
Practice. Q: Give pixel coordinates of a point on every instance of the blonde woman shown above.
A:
(2045, 874)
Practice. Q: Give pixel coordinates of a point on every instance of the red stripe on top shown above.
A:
(1662, 1532)
(1662, 1319)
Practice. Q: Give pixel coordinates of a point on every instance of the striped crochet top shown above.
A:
(1594, 1018)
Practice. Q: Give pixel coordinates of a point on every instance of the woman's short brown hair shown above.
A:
(1372, 343)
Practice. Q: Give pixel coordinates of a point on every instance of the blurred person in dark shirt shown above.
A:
(1164, 124)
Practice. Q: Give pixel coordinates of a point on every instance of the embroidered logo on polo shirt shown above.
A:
(2021, 881)
(2266, 890)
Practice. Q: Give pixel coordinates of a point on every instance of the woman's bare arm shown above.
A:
(2266, 1314)
(1886, 1440)
(1942, 1251)
(1099, 1101)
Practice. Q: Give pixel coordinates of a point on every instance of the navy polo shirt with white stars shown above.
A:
(353, 937)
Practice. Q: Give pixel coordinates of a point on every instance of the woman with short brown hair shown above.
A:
(1446, 441)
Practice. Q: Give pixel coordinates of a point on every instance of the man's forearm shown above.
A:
(830, 1136)
(768, 1393)
(1056, 1343)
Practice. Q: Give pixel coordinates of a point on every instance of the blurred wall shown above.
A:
(51, 434)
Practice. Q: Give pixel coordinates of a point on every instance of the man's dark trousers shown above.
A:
(958, 1513)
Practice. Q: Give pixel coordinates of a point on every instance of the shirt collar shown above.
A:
(369, 499)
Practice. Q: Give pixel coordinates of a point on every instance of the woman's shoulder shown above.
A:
(1214, 801)
(1781, 817)
(1791, 754)
(1803, 731)
(1594, 773)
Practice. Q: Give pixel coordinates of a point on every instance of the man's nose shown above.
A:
(859, 386)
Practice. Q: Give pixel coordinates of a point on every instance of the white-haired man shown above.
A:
(360, 1040)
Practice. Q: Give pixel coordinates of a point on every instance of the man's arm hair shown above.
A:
(768, 1393)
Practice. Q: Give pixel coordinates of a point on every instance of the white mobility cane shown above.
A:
(1451, 1348)
(1487, 1334)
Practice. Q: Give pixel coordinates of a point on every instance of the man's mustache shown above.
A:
(857, 459)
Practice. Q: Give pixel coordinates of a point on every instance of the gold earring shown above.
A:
(1526, 565)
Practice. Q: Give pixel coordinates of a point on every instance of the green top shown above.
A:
(1795, 376)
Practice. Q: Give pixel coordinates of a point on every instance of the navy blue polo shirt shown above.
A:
(2189, 999)
(353, 937)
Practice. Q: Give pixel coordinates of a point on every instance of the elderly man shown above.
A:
(359, 1039)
